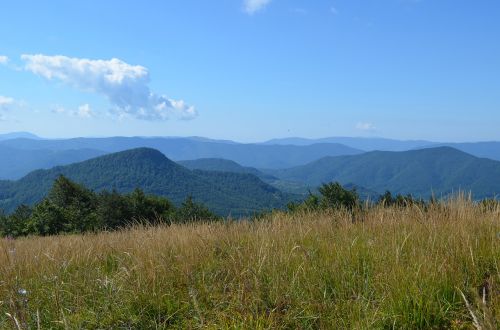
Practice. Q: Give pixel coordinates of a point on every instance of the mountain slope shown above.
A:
(148, 169)
(489, 150)
(223, 165)
(420, 172)
(254, 155)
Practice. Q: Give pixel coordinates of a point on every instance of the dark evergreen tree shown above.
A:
(15, 224)
(334, 196)
(191, 211)
(114, 210)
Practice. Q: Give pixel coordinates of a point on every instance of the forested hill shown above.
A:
(224, 193)
(223, 165)
(440, 171)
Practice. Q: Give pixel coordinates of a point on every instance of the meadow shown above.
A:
(382, 268)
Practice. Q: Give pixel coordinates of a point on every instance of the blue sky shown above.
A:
(251, 70)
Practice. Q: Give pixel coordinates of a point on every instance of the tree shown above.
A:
(69, 207)
(15, 224)
(114, 210)
(334, 196)
(66, 193)
(152, 209)
(191, 211)
(48, 219)
(386, 199)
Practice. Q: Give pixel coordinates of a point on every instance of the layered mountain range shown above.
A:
(240, 179)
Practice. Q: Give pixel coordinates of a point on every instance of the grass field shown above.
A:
(401, 268)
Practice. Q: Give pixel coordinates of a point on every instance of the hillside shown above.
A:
(223, 165)
(16, 163)
(224, 193)
(420, 172)
(254, 155)
(489, 150)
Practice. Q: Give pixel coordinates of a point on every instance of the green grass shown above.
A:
(395, 268)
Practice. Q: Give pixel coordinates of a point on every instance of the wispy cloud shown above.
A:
(366, 126)
(59, 109)
(4, 59)
(126, 86)
(84, 111)
(253, 6)
(333, 10)
(6, 102)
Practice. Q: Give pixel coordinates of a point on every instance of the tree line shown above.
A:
(334, 196)
(72, 208)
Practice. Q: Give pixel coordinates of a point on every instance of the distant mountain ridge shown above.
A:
(483, 149)
(361, 143)
(15, 163)
(19, 156)
(486, 149)
(441, 171)
(253, 155)
(237, 194)
(18, 135)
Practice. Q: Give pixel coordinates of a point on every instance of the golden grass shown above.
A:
(402, 268)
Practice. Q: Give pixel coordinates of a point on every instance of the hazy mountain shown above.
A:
(479, 149)
(362, 143)
(420, 172)
(18, 135)
(15, 163)
(225, 193)
(254, 155)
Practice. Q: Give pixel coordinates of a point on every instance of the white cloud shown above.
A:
(365, 126)
(6, 102)
(4, 59)
(126, 86)
(84, 111)
(253, 6)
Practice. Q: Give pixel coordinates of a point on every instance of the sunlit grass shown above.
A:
(383, 268)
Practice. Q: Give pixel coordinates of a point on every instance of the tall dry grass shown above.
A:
(401, 268)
